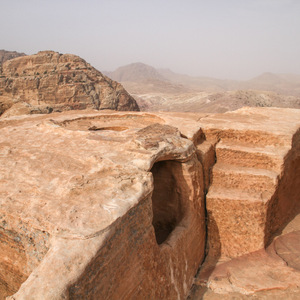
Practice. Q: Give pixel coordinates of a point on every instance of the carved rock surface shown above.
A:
(110, 205)
(271, 273)
(255, 182)
(81, 214)
(59, 82)
(254, 192)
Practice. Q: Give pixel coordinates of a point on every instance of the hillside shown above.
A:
(49, 81)
(165, 90)
(285, 84)
(7, 55)
(218, 102)
(135, 72)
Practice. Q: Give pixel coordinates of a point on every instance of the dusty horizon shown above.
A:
(232, 40)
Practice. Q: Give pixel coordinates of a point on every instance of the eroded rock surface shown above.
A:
(254, 192)
(110, 205)
(7, 55)
(49, 81)
(82, 188)
(271, 273)
(254, 184)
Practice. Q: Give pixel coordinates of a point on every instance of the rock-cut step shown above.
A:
(268, 157)
(237, 220)
(237, 194)
(244, 178)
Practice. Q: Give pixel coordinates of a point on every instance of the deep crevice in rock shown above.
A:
(166, 200)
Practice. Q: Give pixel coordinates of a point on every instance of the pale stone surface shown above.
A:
(111, 204)
(268, 274)
(50, 81)
(81, 191)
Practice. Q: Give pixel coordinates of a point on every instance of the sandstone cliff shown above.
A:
(50, 81)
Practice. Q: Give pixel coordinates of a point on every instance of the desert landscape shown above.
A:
(164, 90)
(146, 184)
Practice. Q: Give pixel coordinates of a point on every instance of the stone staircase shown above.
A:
(243, 181)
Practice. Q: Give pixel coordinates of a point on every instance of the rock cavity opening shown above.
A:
(109, 122)
(167, 202)
(113, 128)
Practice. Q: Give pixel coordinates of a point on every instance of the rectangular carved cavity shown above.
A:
(167, 202)
(109, 122)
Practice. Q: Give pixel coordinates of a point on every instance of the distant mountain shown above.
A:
(7, 55)
(141, 78)
(135, 72)
(137, 77)
(286, 84)
(271, 78)
(199, 82)
(147, 76)
(165, 90)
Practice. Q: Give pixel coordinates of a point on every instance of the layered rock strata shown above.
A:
(255, 182)
(49, 81)
(271, 273)
(111, 205)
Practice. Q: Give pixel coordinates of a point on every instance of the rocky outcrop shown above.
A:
(252, 161)
(123, 205)
(271, 273)
(254, 192)
(90, 213)
(50, 81)
(7, 55)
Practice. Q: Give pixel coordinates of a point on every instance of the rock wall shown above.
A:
(110, 205)
(157, 265)
(251, 196)
(49, 81)
(285, 202)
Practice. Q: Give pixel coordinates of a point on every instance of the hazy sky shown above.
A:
(236, 39)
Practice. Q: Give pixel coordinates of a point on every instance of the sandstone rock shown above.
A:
(251, 194)
(207, 156)
(61, 82)
(84, 215)
(264, 274)
(110, 205)
(23, 108)
(7, 55)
